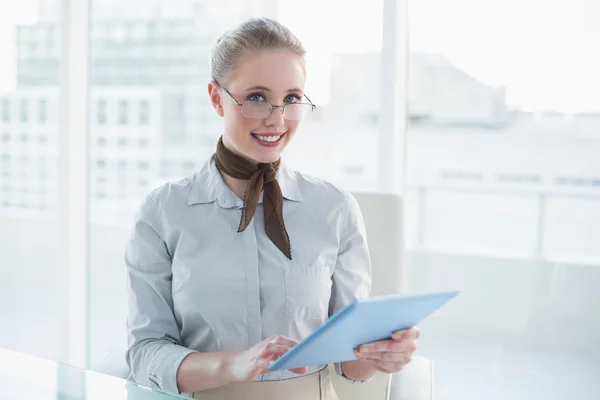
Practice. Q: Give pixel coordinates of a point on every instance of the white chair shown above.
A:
(383, 215)
(383, 218)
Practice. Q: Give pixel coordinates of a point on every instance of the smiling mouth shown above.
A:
(271, 139)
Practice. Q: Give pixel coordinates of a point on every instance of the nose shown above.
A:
(276, 117)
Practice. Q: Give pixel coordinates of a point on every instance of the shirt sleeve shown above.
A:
(154, 351)
(352, 274)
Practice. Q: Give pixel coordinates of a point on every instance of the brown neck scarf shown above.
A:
(262, 178)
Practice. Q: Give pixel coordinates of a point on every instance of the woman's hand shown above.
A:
(392, 355)
(248, 364)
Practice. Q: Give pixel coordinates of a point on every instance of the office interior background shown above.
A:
(499, 167)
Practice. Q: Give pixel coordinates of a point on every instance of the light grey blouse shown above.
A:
(196, 284)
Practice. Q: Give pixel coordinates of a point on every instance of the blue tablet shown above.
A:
(361, 321)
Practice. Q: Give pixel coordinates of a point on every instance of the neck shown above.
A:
(237, 186)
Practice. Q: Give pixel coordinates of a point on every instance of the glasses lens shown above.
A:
(256, 109)
(297, 111)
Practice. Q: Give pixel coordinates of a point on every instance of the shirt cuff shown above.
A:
(338, 370)
(165, 363)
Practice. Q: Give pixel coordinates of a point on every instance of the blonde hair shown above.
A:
(253, 35)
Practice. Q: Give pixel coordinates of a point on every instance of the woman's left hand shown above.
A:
(391, 355)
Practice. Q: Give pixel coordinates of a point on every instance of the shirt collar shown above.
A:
(208, 186)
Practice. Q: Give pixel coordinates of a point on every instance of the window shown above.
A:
(123, 112)
(101, 113)
(500, 199)
(461, 176)
(519, 178)
(24, 110)
(5, 110)
(577, 181)
(43, 111)
(144, 113)
(101, 141)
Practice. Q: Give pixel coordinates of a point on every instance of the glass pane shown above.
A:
(503, 194)
(343, 81)
(32, 279)
(155, 54)
(27, 377)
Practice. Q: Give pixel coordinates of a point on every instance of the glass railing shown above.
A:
(520, 329)
(28, 377)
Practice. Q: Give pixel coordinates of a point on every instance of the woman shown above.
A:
(231, 267)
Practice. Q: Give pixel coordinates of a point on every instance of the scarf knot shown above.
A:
(261, 178)
(269, 173)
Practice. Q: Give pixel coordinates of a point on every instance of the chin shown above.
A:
(267, 158)
(266, 155)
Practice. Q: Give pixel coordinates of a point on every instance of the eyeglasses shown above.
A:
(262, 109)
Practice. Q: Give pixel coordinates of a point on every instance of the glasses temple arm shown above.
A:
(309, 100)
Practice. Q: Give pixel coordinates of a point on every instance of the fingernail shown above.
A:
(397, 334)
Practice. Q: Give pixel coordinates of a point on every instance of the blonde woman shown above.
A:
(231, 267)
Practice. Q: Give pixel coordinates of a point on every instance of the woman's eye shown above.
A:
(292, 98)
(256, 97)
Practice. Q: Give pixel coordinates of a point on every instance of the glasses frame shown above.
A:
(273, 106)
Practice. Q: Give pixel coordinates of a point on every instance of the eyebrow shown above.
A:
(266, 89)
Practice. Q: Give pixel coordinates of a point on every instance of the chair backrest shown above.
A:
(382, 213)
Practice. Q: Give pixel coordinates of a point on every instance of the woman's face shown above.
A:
(276, 76)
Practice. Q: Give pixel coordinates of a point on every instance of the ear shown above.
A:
(215, 97)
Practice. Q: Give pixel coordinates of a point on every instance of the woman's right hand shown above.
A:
(247, 365)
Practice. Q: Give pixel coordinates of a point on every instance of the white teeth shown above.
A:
(268, 138)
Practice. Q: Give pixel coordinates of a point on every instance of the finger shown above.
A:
(387, 357)
(283, 340)
(273, 349)
(300, 371)
(410, 333)
(373, 346)
(393, 346)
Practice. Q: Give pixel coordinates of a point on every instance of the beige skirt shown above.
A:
(315, 386)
